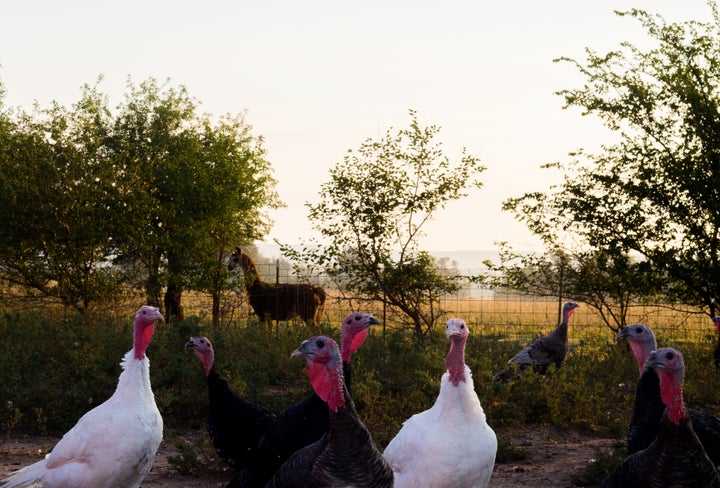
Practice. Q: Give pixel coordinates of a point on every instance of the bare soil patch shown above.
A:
(556, 455)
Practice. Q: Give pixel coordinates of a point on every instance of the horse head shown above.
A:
(235, 259)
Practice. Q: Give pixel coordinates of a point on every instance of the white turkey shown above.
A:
(675, 458)
(112, 445)
(543, 351)
(449, 445)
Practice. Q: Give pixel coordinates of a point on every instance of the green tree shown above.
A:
(56, 190)
(154, 188)
(197, 187)
(371, 216)
(655, 191)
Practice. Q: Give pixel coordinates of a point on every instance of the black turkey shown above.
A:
(254, 441)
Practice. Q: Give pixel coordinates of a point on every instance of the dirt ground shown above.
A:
(555, 456)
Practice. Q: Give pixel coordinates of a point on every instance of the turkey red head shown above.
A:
(568, 309)
(670, 366)
(324, 369)
(717, 322)
(202, 347)
(641, 339)
(354, 332)
(144, 326)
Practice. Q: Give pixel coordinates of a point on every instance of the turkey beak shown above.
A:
(624, 332)
(155, 315)
(190, 343)
(653, 361)
(300, 351)
(374, 321)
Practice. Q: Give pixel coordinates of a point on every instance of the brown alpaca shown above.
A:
(278, 301)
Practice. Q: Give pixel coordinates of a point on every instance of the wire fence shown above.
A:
(501, 313)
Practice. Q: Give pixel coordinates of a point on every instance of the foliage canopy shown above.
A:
(654, 193)
(371, 214)
(149, 194)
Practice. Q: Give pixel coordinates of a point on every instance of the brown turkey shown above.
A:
(543, 351)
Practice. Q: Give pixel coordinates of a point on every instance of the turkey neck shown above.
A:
(642, 351)
(671, 392)
(142, 335)
(562, 327)
(326, 380)
(351, 343)
(207, 359)
(455, 361)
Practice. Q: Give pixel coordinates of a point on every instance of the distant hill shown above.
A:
(468, 262)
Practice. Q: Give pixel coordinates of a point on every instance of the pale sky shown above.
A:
(317, 78)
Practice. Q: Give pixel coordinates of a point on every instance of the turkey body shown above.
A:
(450, 444)
(345, 455)
(675, 458)
(112, 445)
(549, 349)
(235, 425)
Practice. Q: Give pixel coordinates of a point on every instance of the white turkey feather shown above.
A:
(111, 446)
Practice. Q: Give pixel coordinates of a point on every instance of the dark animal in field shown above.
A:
(543, 351)
(676, 457)
(278, 301)
(649, 407)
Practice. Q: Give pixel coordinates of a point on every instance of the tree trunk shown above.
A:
(173, 303)
(215, 310)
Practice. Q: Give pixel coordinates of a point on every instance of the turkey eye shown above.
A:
(348, 321)
(358, 317)
(669, 356)
(462, 326)
(638, 330)
(320, 344)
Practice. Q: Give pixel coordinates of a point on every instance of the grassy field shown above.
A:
(56, 366)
